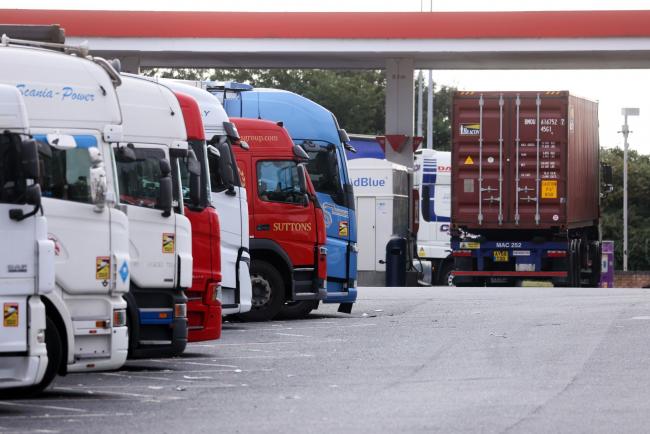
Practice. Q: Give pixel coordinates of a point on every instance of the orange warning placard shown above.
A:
(102, 267)
(469, 160)
(10, 315)
(168, 243)
(549, 189)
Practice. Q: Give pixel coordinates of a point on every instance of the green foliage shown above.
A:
(638, 209)
(357, 98)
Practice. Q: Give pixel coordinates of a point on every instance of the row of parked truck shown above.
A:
(136, 213)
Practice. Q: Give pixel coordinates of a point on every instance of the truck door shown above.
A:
(81, 230)
(226, 199)
(281, 210)
(152, 234)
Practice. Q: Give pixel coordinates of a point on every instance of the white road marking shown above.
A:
(134, 395)
(641, 317)
(60, 416)
(289, 334)
(311, 341)
(132, 375)
(48, 407)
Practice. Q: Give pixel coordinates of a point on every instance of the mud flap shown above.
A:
(345, 308)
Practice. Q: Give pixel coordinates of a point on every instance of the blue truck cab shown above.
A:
(315, 129)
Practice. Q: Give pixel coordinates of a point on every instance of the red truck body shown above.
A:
(525, 188)
(203, 306)
(286, 229)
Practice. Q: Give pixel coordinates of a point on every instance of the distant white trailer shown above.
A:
(382, 204)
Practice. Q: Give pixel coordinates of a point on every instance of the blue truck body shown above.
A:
(315, 128)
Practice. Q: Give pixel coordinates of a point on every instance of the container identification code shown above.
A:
(549, 189)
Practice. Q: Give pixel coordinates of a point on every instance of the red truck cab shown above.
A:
(286, 223)
(203, 306)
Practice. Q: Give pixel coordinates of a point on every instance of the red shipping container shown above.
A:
(524, 160)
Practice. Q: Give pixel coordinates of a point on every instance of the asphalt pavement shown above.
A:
(496, 360)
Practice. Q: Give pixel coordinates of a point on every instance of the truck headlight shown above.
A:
(180, 310)
(119, 317)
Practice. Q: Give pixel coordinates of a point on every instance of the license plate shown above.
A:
(500, 255)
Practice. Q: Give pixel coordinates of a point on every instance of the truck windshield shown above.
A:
(278, 181)
(324, 169)
(139, 180)
(11, 180)
(65, 174)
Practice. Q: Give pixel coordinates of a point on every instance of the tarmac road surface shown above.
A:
(441, 359)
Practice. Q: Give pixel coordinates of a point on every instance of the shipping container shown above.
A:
(525, 187)
(524, 160)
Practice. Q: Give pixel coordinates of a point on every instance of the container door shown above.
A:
(537, 140)
(366, 233)
(479, 160)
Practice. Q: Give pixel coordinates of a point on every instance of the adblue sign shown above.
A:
(368, 181)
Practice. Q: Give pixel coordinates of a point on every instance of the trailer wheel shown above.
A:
(268, 292)
(54, 346)
(297, 309)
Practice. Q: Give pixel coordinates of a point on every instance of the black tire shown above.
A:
(54, 346)
(445, 277)
(268, 292)
(297, 309)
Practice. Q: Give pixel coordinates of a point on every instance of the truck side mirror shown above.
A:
(29, 158)
(607, 174)
(426, 202)
(98, 186)
(125, 154)
(194, 168)
(33, 195)
(166, 193)
(302, 178)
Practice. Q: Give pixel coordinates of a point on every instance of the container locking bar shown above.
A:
(500, 159)
(481, 102)
(517, 178)
(538, 103)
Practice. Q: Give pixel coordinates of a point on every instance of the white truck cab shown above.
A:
(74, 115)
(433, 181)
(229, 200)
(160, 235)
(27, 256)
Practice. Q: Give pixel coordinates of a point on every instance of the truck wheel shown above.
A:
(446, 276)
(268, 292)
(54, 346)
(297, 309)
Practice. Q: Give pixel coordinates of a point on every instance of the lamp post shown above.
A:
(628, 111)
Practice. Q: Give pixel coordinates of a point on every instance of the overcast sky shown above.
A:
(613, 89)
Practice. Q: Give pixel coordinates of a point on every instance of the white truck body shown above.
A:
(232, 209)
(152, 119)
(160, 243)
(26, 266)
(73, 109)
(433, 181)
(382, 202)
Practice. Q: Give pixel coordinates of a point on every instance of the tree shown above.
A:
(638, 209)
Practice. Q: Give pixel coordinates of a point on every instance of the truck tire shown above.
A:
(268, 292)
(54, 346)
(297, 309)
(446, 277)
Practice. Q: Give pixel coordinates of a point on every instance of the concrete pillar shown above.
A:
(400, 104)
(130, 64)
